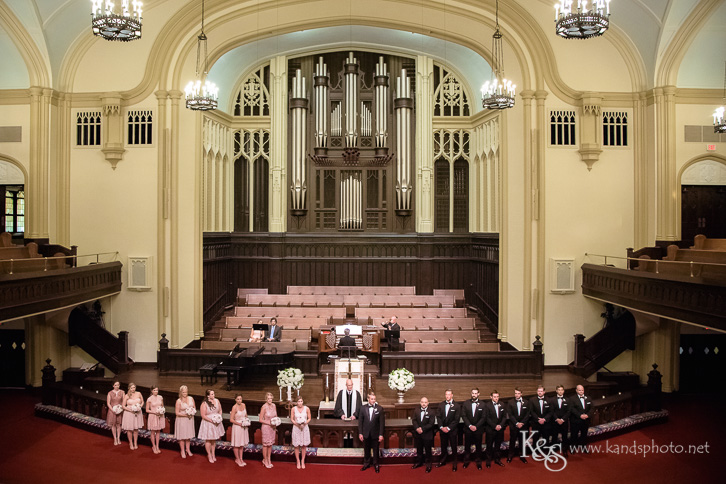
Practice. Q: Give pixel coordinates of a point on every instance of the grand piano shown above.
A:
(240, 359)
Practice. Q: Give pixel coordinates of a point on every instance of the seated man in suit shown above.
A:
(423, 434)
(346, 341)
(371, 427)
(274, 333)
(392, 325)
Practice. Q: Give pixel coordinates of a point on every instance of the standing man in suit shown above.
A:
(580, 407)
(496, 422)
(449, 414)
(518, 412)
(392, 325)
(541, 416)
(474, 418)
(423, 434)
(560, 419)
(274, 332)
(371, 427)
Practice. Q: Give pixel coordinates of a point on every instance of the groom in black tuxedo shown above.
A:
(371, 426)
(519, 413)
(474, 415)
(423, 433)
(580, 408)
(496, 422)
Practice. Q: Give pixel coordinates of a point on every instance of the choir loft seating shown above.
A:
(671, 280)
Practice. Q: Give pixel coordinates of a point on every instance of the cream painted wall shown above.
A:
(14, 74)
(699, 115)
(586, 212)
(17, 115)
(116, 210)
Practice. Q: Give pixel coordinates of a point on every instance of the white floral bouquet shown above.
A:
(290, 377)
(160, 411)
(216, 418)
(136, 408)
(117, 409)
(301, 418)
(191, 411)
(245, 422)
(401, 380)
(275, 421)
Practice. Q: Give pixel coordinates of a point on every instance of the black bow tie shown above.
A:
(423, 409)
(449, 403)
(540, 398)
(519, 400)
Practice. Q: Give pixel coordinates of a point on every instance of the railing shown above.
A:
(73, 259)
(657, 263)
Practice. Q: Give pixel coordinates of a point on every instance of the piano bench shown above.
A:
(208, 372)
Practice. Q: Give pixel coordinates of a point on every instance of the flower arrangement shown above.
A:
(191, 411)
(216, 418)
(401, 380)
(245, 422)
(160, 411)
(136, 408)
(290, 377)
(275, 421)
(117, 409)
(301, 418)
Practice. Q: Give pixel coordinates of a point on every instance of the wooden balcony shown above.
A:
(694, 300)
(28, 293)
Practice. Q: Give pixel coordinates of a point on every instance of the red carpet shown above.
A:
(37, 450)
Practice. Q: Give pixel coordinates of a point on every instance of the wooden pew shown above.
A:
(379, 314)
(243, 292)
(442, 336)
(282, 346)
(701, 242)
(349, 300)
(244, 334)
(353, 290)
(25, 258)
(458, 294)
(431, 347)
(288, 312)
(285, 323)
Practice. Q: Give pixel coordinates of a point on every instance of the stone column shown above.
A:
(424, 168)
(278, 150)
(37, 187)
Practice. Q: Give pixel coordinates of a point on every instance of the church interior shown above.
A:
(535, 194)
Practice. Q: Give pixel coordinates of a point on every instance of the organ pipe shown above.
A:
(381, 96)
(321, 104)
(351, 101)
(299, 107)
(403, 105)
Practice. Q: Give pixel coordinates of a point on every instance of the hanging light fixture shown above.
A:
(719, 125)
(111, 26)
(201, 96)
(498, 92)
(585, 22)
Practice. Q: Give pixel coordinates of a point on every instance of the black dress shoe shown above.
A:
(478, 466)
(453, 468)
(509, 459)
(416, 466)
(378, 469)
(366, 466)
(489, 464)
(523, 459)
(465, 465)
(499, 463)
(428, 468)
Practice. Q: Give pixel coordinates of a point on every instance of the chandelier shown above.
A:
(719, 125)
(498, 92)
(585, 22)
(111, 26)
(201, 96)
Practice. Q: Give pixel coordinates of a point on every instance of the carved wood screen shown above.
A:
(351, 134)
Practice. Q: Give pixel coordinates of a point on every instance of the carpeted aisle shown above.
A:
(37, 450)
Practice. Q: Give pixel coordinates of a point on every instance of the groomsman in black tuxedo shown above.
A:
(496, 422)
(580, 408)
(518, 413)
(423, 434)
(560, 419)
(474, 415)
(371, 426)
(449, 413)
(541, 416)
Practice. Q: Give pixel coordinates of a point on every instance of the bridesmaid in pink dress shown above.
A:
(184, 423)
(211, 430)
(156, 421)
(133, 419)
(115, 397)
(240, 433)
(267, 413)
(300, 416)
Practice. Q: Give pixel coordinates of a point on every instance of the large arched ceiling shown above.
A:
(473, 69)
(57, 25)
(705, 58)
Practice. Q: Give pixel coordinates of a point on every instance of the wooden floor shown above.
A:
(312, 390)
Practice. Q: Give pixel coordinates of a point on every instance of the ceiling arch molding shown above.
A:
(38, 71)
(670, 63)
(16, 163)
